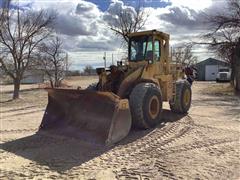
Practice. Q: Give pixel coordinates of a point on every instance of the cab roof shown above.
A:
(149, 33)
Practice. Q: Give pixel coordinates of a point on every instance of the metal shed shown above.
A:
(207, 70)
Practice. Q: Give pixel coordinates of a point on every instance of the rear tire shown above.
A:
(183, 98)
(146, 105)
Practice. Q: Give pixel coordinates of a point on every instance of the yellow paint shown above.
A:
(162, 72)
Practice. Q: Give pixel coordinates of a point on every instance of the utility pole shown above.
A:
(112, 59)
(105, 60)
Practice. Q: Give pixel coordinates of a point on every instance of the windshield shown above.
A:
(140, 48)
(223, 70)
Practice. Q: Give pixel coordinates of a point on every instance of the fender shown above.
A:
(131, 87)
(131, 81)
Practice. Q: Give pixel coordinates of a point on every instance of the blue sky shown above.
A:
(104, 4)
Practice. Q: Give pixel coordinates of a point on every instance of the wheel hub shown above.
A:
(154, 107)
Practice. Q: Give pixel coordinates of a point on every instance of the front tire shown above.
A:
(146, 105)
(183, 98)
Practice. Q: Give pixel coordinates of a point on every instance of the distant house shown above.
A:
(207, 70)
(33, 77)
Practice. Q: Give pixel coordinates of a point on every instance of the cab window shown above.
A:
(141, 48)
(157, 47)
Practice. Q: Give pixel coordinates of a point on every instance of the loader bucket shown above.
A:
(98, 117)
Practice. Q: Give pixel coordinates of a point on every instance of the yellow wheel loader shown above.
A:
(128, 94)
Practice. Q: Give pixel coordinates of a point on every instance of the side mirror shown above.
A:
(150, 61)
(149, 57)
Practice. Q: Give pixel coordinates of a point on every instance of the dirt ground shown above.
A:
(201, 145)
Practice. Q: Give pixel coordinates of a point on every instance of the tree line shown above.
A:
(27, 40)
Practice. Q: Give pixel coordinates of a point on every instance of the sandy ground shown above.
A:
(201, 145)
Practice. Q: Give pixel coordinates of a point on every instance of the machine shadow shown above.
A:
(60, 153)
(57, 153)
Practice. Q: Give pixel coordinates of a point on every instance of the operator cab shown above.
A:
(146, 46)
(142, 48)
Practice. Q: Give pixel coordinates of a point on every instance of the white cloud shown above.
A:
(74, 17)
(84, 26)
(193, 4)
(116, 8)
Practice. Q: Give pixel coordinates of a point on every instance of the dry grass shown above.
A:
(220, 89)
(82, 81)
(32, 93)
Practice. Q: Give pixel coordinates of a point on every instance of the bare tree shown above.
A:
(54, 61)
(88, 70)
(184, 55)
(20, 34)
(128, 21)
(224, 35)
